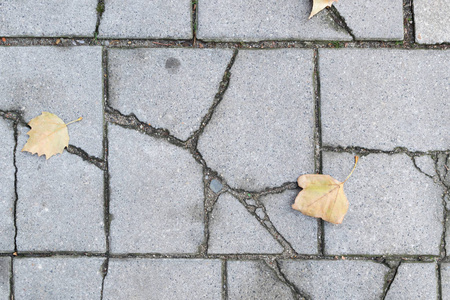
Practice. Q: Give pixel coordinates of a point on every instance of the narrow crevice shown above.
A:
(413, 159)
(192, 141)
(100, 10)
(390, 277)
(408, 23)
(11, 281)
(440, 166)
(275, 267)
(362, 151)
(104, 271)
(340, 21)
(99, 163)
(318, 159)
(194, 8)
(16, 193)
(224, 279)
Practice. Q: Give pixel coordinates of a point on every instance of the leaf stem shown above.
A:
(79, 119)
(354, 167)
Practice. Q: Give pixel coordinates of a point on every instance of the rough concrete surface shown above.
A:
(431, 19)
(5, 275)
(445, 278)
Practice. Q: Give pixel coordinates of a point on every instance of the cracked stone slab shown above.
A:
(373, 20)
(52, 18)
(58, 278)
(163, 279)
(168, 88)
(7, 194)
(254, 280)
(157, 19)
(385, 98)
(261, 134)
(431, 21)
(5, 274)
(156, 195)
(394, 208)
(445, 281)
(341, 279)
(64, 81)
(60, 202)
(414, 281)
(426, 164)
(299, 230)
(233, 229)
(257, 20)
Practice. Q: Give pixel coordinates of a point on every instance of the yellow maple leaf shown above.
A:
(319, 5)
(48, 135)
(322, 197)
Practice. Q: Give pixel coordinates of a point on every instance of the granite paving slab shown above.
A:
(431, 20)
(445, 279)
(5, 275)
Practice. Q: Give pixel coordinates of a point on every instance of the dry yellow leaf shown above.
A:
(319, 5)
(322, 197)
(48, 135)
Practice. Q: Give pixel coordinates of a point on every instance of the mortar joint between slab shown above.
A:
(194, 4)
(408, 22)
(224, 279)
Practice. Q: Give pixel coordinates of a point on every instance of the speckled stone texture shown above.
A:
(336, 280)
(445, 280)
(60, 206)
(5, 274)
(414, 281)
(373, 20)
(261, 134)
(28, 18)
(168, 88)
(163, 279)
(394, 208)
(156, 197)
(431, 20)
(234, 230)
(64, 81)
(7, 193)
(254, 280)
(146, 19)
(382, 99)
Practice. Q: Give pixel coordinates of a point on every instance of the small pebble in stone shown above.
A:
(215, 186)
(260, 213)
(80, 41)
(250, 202)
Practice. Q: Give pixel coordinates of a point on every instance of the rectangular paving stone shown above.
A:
(146, 19)
(342, 279)
(168, 88)
(7, 193)
(51, 18)
(163, 279)
(414, 281)
(384, 98)
(64, 81)
(394, 208)
(299, 230)
(373, 20)
(60, 203)
(256, 20)
(261, 134)
(445, 281)
(58, 278)
(431, 21)
(156, 195)
(254, 280)
(5, 274)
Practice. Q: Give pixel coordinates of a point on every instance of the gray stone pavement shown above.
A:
(198, 117)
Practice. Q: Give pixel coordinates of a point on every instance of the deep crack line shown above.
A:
(340, 21)
(390, 277)
(362, 151)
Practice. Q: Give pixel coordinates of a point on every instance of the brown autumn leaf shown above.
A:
(48, 135)
(319, 5)
(322, 197)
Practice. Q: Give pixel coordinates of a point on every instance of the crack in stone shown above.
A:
(390, 277)
(224, 280)
(100, 10)
(362, 151)
(340, 20)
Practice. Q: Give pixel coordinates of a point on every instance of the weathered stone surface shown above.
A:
(146, 19)
(64, 81)
(27, 18)
(261, 134)
(156, 196)
(445, 281)
(254, 280)
(233, 229)
(343, 279)
(163, 279)
(58, 278)
(384, 98)
(60, 206)
(299, 230)
(426, 164)
(5, 274)
(373, 20)
(169, 88)
(7, 194)
(431, 21)
(257, 20)
(414, 281)
(394, 208)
